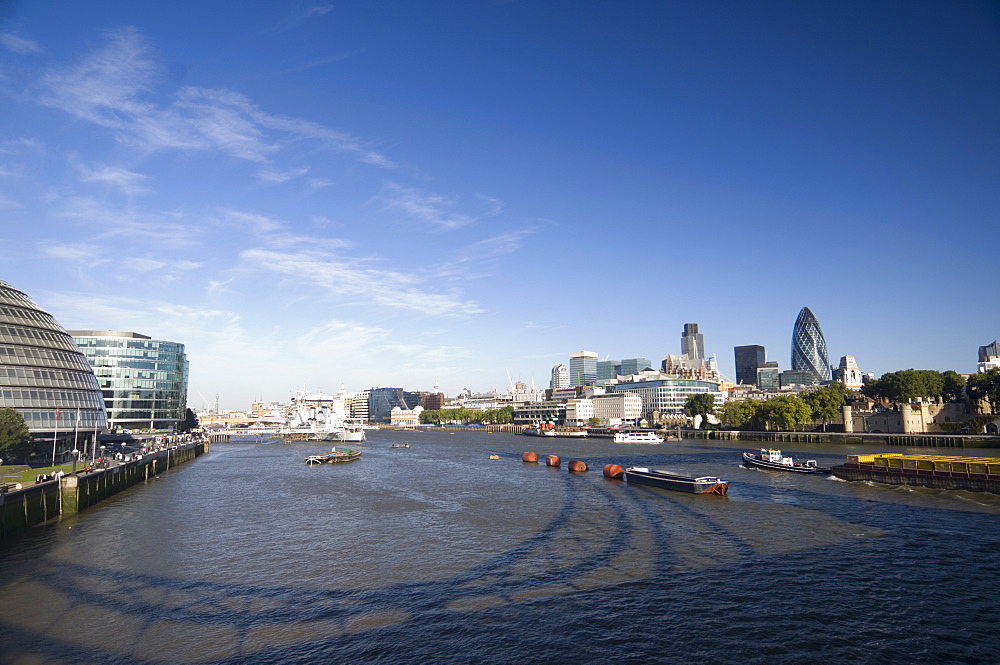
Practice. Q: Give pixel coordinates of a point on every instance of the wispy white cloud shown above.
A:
(301, 16)
(105, 221)
(137, 264)
(123, 179)
(19, 44)
(338, 338)
(478, 253)
(494, 206)
(350, 279)
(278, 177)
(81, 253)
(10, 204)
(319, 183)
(433, 209)
(250, 221)
(113, 88)
(320, 62)
(424, 355)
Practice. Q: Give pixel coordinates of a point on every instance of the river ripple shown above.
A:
(435, 553)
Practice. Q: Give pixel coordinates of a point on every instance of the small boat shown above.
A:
(768, 458)
(676, 482)
(494, 457)
(637, 437)
(334, 457)
(400, 445)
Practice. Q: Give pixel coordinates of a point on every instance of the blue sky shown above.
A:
(398, 193)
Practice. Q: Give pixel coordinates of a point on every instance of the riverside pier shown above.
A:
(21, 509)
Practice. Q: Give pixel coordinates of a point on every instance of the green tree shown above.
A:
(953, 385)
(906, 385)
(985, 387)
(699, 404)
(740, 414)
(190, 421)
(787, 412)
(827, 403)
(15, 439)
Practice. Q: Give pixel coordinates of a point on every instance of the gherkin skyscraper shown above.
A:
(809, 347)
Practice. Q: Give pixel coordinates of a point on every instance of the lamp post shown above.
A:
(55, 435)
(103, 459)
(76, 455)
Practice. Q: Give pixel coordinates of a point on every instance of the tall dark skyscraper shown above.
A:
(748, 359)
(692, 342)
(809, 347)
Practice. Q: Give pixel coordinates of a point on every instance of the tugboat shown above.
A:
(768, 458)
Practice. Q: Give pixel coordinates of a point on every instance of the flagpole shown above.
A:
(54, 435)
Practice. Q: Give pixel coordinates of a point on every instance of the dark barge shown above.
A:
(947, 472)
(676, 482)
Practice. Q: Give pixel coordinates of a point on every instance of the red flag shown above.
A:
(57, 414)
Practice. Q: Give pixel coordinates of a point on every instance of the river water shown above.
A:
(437, 554)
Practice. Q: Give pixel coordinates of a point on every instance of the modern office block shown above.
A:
(582, 368)
(748, 359)
(609, 369)
(635, 365)
(144, 380)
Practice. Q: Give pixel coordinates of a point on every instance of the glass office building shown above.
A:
(582, 368)
(382, 400)
(749, 359)
(668, 396)
(144, 381)
(809, 347)
(45, 377)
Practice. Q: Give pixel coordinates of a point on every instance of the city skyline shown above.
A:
(337, 194)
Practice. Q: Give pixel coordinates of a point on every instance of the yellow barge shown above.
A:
(952, 472)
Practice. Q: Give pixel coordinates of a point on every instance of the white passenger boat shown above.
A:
(637, 437)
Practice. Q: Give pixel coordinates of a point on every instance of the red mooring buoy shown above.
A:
(530, 457)
(577, 465)
(552, 460)
(613, 471)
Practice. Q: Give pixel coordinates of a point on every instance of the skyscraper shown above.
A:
(748, 359)
(560, 377)
(582, 368)
(692, 342)
(809, 347)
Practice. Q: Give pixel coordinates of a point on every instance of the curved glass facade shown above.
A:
(809, 347)
(143, 380)
(43, 374)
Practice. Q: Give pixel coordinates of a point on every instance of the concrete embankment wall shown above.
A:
(906, 440)
(25, 508)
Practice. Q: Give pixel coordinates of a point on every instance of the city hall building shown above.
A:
(46, 378)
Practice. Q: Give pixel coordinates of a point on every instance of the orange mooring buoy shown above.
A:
(613, 471)
(552, 460)
(530, 457)
(577, 465)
